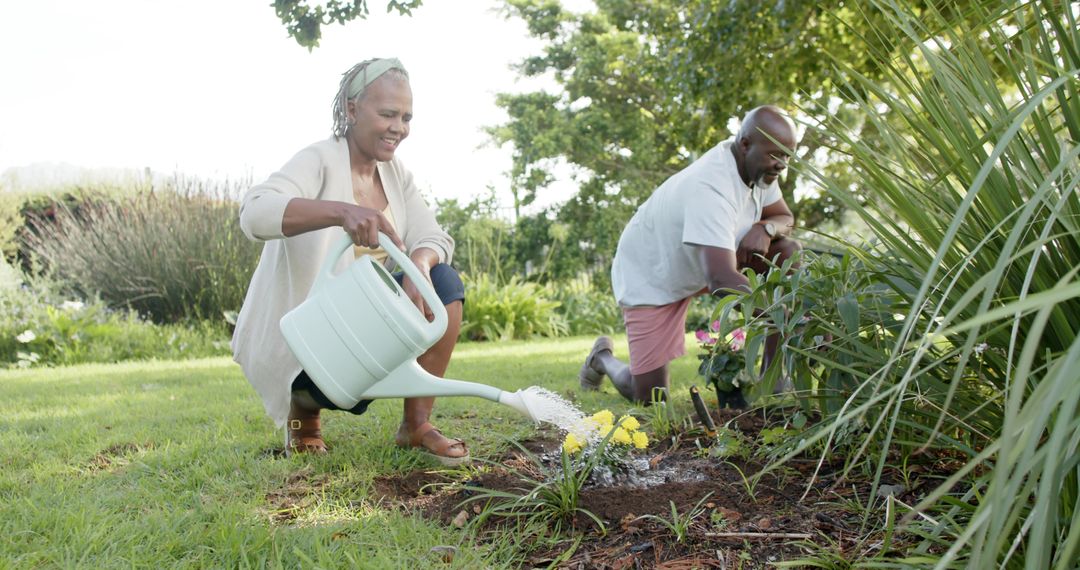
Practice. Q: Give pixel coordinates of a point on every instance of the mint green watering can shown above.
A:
(357, 335)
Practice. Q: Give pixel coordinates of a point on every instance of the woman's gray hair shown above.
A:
(341, 100)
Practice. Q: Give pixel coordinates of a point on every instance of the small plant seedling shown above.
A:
(749, 483)
(549, 501)
(718, 520)
(775, 435)
(662, 418)
(729, 443)
(680, 524)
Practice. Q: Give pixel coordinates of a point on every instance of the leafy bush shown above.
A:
(585, 309)
(175, 253)
(516, 310)
(11, 220)
(483, 239)
(838, 319)
(39, 327)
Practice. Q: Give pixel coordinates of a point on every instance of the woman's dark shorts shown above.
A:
(448, 287)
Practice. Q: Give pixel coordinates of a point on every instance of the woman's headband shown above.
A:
(371, 72)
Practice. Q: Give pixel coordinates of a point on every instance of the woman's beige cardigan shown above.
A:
(288, 265)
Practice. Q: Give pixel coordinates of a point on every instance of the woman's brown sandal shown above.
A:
(437, 451)
(303, 435)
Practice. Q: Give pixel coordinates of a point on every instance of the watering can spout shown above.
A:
(514, 400)
(411, 381)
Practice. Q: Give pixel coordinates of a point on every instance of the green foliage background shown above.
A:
(646, 87)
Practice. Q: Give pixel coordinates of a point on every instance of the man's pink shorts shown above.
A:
(657, 335)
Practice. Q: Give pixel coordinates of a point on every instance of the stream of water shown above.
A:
(547, 406)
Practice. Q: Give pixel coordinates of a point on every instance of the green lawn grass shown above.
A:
(171, 464)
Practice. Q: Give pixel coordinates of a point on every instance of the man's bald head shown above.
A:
(759, 158)
(771, 119)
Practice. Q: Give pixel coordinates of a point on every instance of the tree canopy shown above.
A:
(304, 22)
(648, 86)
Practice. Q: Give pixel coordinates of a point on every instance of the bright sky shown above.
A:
(217, 88)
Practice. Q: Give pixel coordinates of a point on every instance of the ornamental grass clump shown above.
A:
(171, 253)
(970, 177)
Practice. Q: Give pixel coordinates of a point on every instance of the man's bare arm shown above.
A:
(780, 215)
(721, 271)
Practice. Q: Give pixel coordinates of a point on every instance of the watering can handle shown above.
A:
(426, 291)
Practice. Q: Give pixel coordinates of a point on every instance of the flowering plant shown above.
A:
(723, 362)
(622, 436)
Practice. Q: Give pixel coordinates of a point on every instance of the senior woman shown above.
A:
(351, 181)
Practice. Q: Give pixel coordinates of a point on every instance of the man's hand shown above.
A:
(755, 242)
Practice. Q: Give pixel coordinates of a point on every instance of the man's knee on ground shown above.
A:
(785, 248)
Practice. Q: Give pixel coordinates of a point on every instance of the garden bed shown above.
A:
(741, 524)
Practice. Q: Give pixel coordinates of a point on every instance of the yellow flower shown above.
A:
(629, 422)
(604, 417)
(621, 436)
(599, 429)
(641, 441)
(572, 445)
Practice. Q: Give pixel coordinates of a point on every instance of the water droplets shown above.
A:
(547, 406)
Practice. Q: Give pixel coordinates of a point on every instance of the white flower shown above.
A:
(26, 360)
(981, 347)
(27, 336)
(72, 305)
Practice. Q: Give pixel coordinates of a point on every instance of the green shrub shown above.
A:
(586, 309)
(484, 240)
(38, 327)
(11, 220)
(837, 319)
(171, 254)
(516, 310)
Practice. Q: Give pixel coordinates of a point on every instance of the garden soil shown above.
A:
(789, 513)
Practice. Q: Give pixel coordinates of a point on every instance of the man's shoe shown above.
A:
(590, 377)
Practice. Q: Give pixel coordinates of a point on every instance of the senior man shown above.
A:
(694, 235)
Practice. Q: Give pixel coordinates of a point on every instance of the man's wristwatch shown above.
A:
(770, 228)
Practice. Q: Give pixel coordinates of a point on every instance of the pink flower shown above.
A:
(704, 337)
(738, 339)
(715, 326)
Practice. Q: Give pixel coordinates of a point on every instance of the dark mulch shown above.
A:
(789, 512)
